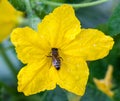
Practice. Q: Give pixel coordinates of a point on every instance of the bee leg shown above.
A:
(49, 56)
(61, 58)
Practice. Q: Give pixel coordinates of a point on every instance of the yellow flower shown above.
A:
(9, 18)
(57, 53)
(105, 84)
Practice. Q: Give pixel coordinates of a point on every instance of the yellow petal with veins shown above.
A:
(30, 46)
(36, 77)
(90, 44)
(73, 75)
(60, 27)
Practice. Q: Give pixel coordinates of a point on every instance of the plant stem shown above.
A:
(28, 7)
(73, 97)
(8, 62)
(80, 5)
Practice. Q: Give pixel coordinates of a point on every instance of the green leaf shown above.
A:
(57, 94)
(114, 22)
(21, 97)
(117, 95)
(93, 94)
(18, 4)
(103, 28)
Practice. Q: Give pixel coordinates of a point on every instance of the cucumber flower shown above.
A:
(105, 85)
(9, 18)
(56, 54)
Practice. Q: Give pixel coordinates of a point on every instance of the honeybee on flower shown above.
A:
(60, 30)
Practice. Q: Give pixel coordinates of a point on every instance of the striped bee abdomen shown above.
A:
(55, 58)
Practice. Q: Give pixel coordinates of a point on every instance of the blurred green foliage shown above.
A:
(93, 94)
(114, 22)
(18, 4)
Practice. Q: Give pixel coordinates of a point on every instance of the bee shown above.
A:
(56, 58)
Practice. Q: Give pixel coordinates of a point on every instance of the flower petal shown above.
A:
(61, 26)
(7, 7)
(7, 24)
(29, 45)
(90, 44)
(73, 75)
(36, 77)
(101, 85)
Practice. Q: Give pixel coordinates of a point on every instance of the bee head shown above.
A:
(54, 49)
